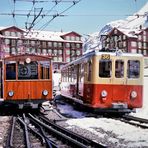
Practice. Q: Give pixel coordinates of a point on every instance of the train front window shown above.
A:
(11, 71)
(27, 70)
(119, 69)
(105, 68)
(45, 70)
(133, 70)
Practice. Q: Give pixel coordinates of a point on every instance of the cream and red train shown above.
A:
(105, 81)
(26, 80)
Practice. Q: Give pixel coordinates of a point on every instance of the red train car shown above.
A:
(26, 80)
(105, 81)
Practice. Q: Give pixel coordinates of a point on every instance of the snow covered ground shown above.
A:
(122, 134)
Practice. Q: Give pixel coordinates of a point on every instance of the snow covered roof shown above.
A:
(3, 28)
(48, 35)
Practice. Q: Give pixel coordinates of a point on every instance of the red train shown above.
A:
(26, 80)
(106, 82)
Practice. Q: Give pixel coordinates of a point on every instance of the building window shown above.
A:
(133, 51)
(115, 31)
(18, 34)
(13, 42)
(32, 50)
(67, 52)
(68, 59)
(44, 52)
(55, 59)
(19, 42)
(13, 34)
(67, 45)
(144, 45)
(55, 52)
(49, 51)
(144, 52)
(67, 37)
(32, 43)
(13, 50)
(144, 32)
(60, 52)
(49, 44)
(7, 50)
(7, 41)
(44, 44)
(72, 45)
(144, 38)
(77, 38)
(60, 45)
(139, 37)
(7, 33)
(60, 59)
(77, 45)
(72, 38)
(55, 44)
(78, 52)
(124, 37)
(133, 44)
(72, 52)
(139, 45)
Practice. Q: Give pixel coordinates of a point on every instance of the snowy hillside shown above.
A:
(130, 23)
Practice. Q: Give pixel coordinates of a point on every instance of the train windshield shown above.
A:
(11, 71)
(27, 70)
(45, 70)
(105, 68)
(119, 68)
(133, 70)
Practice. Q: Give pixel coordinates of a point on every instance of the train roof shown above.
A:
(97, 53)
(24, 56)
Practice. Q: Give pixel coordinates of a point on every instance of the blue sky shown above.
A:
(86, 17)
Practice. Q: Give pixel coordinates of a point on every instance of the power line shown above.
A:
(58, 14)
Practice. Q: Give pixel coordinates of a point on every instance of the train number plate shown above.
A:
(105, 57)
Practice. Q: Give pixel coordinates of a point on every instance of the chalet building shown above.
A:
(132, 41)
(63, 47)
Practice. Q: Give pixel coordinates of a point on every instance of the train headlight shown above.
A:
(10, 93)
(45, 92)
(133, 94)
(103, 93)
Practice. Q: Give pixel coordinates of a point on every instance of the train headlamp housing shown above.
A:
(133, 94)
(10, 93)
(45, 92)
(104, 93)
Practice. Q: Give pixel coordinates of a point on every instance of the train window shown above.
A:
(45, 70)
(119, 69)
(27, 70)
(133, 70)
(89, 70)
(11, 71)
(105, 68)
(81, 73)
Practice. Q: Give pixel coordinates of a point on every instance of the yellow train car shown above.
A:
(105, 81)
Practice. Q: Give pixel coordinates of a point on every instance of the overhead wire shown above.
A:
(58, 15)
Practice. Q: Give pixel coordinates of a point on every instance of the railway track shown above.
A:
(30, 131)
(136, 121)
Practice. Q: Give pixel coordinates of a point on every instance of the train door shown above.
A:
(119, 80)
(81, 79)
(77, 80)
